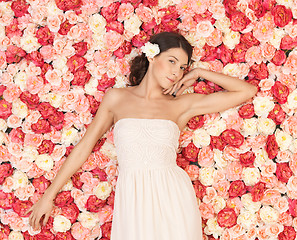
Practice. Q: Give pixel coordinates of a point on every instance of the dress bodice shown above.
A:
(146, 143)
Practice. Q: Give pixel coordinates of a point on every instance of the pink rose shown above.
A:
(20, 8)
(41, 184)
(258, 71)
(76, 62)
(227, 218)
(6, 200)
(13, 29)
(70, 211)
(17, 135)
(5, 109)
(123, 50)
(282, 15)
(199, 188)
(65, 27)
(81, 77)
(230, 6)
(288, 43)
(237, 189)
(258, 191)
(239, 53)
(20, 207)
(47, 146)
(99, 173)
(224, 54)
(279, 58)
(36, 58)
(80, 48)
(105, 82)
(115, 26)
(239, 21)
(65, 236)
(110, 13)
(271, 146)
(63, 198)
(193, 171)
(106, 229)
(140, 39)
(203, 88)
(14, 54)
(249, 40)
(210, 53)
(232, 137)
(257, 7)
(283, 172)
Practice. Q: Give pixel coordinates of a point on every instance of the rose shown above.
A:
(80, 48)
(123, 50)
(258, 71)
(196, 122)
(288, 43)
(65, 236)
(94, 204)
(81, 77)
(76, 62)
(249, 40)
(65, 27)
(258, 191)
(237, 189)
(45, 67)
(46, 109)
(6, 200)
(6, 170)
(45, 36)
(293, 207)
(271, 146)
(247, 159)
(232, 137)
(99, 173)
(199, 188)
(224, 54)
(20, 8)
(277, 114)
(31, 100)
(66, 5)
(247, 111)
(36, 58)
(13, 29)
(280, 92)
(217, 142)
(63, 199)
(17, 135)
(206, 15)
(21, 207)
(47, 146)
(40, 184)
(110, 13)
(230, 6)
(239, 52)
(210, 53)
(257, 7)
(41, 126)
(140, 39)
(168, 24)
(283, 172)
(115, 26)
(279, 58)
(239, 21)
(289, 233)
(203, 88)
(75, 178)
(190, 152)
(282, 15)
(70, 211)
(14, 54)
(227, 218)
(105, 82)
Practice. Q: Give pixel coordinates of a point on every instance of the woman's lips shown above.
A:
(171, 80)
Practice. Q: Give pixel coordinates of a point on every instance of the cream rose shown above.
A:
(213, 228)
(218, 203)
(292, 100)
(232, 69)
(108, 149)
(19, 179)
(246, 219)
(283, 139)
(263, 105)
(19, 108)
(61, 223)
(69, 136)
(88, 219)
(250, 127)
(268, 214)
(44, 162)
(216, 127)
(102, 190)
(231, 39)
(20, 79)
(29, 43)
(133, 24)
(266, 126)
(249, 204)
(251, 176)
(278, 34)
(206, 175)
(15, 235)
(201, 138)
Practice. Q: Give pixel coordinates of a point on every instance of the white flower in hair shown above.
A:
(150, 49)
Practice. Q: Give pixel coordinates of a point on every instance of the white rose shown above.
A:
(69, 136)
(19, 179)
(216, 127)
(201, 138)
(219, 160)
(268, 214)
(68, 186)
(223, 24)
(98, 41)
(283, 139)
(3, 125)
(261, 157)
(108, 149)
(213, 228)
(292, 100)
(249, 204)
(44, 162)
(60, 64)
(231, 69)
(251, 176)
(164, 3)
(263, 105)
(88, 219)
(53, 10)
(133, 24)
(91, 86)
(278, 34)
(61, 223)
(286, 3)
(29, 153)
(19, 108)
(20, 79)
(29, 43)
(194, 40)
(206, 175)
(102, 190)
(97, 23)
(150, 50)
(250, 127)
(121, 81)
(266, 126)
(218, 204)
(246, 219)
(15, 235)
(231, 39)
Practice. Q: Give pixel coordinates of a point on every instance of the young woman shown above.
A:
(154, 197)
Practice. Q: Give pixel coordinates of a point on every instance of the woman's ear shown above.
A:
(150, 59)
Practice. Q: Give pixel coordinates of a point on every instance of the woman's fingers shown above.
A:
(46, 218)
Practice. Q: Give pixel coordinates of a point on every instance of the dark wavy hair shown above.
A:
(165, 40)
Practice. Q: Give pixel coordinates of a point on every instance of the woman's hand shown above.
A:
(40, 209)
(187, 81)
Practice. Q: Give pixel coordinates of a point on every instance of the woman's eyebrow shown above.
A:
(177, 60)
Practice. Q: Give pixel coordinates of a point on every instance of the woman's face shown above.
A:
(169, 66)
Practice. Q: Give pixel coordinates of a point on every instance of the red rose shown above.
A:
(94, 204)
(232, 137)
(47, 146)
(293, 207)
(282, 15)
(6, 200)
(41, 184)
(206, 16)
(99, 173)
(105, 82)
(81, 77)
(257, 7)
(239, 21)
(249, 40)
(31, 100)
(41, 126)
(36, 58)
(70, 211)
(199, 188)
(5, 109)
(6, 170)
(106, 229)
(279, 58)
(230, 6)
(45, 67)
(280, 92)
(94, 104)
(20, 207)
(190, 152)
(169, 25)
(45, 36)
(238, 54)
(277, 114)
(64, 236)
(150, 3)
(115, 26)
(76, 62)
(258, 191)
(288, 43)
(181, 161)
(14, 54)
(224, 54)
(237, 189)
(140, 39)
(148, 27)
(45, 234)
(268, 4)
(210, 53)
(17, 135)
(46, 109)
(247, 159)
(75, 178)
(20, 8)
(217, 142)
(66, 5)
(258, 71)
(13, 29)
(196, 122)
(289, 233)
(247, 111)
(68, 150)
(203, 88)
(170, 12)
(5, 231)
(227, 218)
(271, 146)
(2, 89)
(283, 172)
(99, 144)
(80, 48)
(110, 13)
(123, 50)
(65, 27)
(63, 198)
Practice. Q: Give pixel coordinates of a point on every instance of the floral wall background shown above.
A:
(58, 58)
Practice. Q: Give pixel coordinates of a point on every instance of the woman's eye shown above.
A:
(182, 68)
(171, 61)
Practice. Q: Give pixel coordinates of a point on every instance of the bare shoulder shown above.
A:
(112, 97)
(185, 102)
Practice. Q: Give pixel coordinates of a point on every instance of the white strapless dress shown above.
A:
(154, 197)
